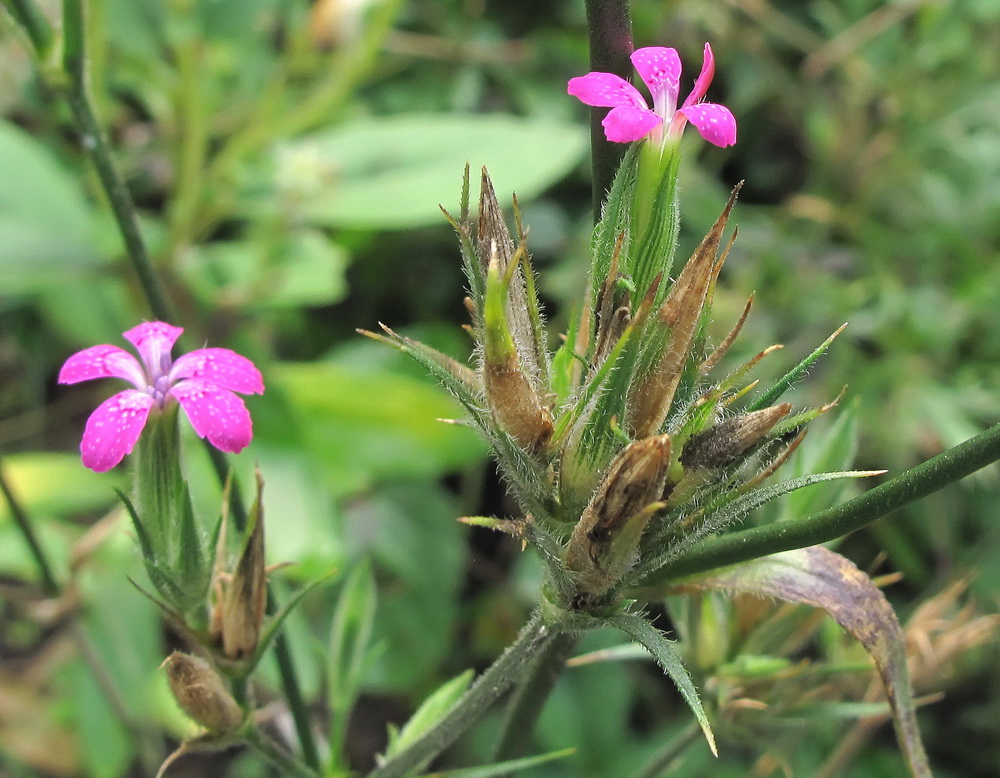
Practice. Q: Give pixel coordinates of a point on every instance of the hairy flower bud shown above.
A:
(680, 315)
(202, 694)
(241, 597)
(516, 406)
(727, 441)
(603, 545)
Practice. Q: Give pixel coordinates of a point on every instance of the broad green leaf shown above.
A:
(431, 710)
(637, 628)
(819, 577)
(306, 268)
(45, 223)
(363, 425)
(409, 531)
(393, 172)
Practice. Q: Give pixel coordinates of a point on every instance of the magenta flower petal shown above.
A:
(113, 429)
(215, 413)
(704, 79)
(153, 340)
(222, 367)
(626, 124)
(660, 69)
(102, 362)
(605, 90)
(716, 123)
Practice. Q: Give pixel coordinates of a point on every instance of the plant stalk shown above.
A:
(36, 26)
(49, 583)
(910, 486)
(528, 699)
(609, 29)
(663, 759)
(533, 639)
(288, 765)
(96, 149)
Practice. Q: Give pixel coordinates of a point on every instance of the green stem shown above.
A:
(910, 486)
(49, 584)
(528, 699)
(293, 694)
(37, 27)
(609, 28)
(671, 751)
(534, 638)
(96, 148)
(285, 762)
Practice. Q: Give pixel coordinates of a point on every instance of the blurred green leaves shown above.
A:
(46, 225)
(393, 172)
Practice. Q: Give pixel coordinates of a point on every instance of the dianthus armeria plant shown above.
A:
(627, 448)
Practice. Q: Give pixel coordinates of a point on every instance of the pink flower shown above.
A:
(202, 381)
(660, 69)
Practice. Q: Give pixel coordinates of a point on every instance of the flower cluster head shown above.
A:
(202, 381)
(630, 118)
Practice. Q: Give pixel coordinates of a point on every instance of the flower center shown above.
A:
(159, 385)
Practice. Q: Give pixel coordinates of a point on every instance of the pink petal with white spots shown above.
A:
(605, 90)
(222, 367)
(153, 340)
(660, 69)
(716, 123)
(215, 413)
(626, 124)
(704, 79)
(102, 362)
(113, 429)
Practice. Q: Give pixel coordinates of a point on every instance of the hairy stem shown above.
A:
(609, 28)
(528, 699)
(533, 639)
(910, 486)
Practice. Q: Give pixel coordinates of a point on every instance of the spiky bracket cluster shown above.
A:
(620, 450)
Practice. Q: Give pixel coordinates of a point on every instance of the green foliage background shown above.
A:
(289, 173)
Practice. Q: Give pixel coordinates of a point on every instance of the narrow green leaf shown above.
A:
(350, 637)
(504, 768)
(271, 627)
(823, 579)
(637, 628)
(737, 509)
(771, 396)
(430, 712)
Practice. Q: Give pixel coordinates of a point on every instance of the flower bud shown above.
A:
(516, 406)
(494, 245)
(202, 694)
(680, 315)
(241, 597)
(727, 441)
(604, 543)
